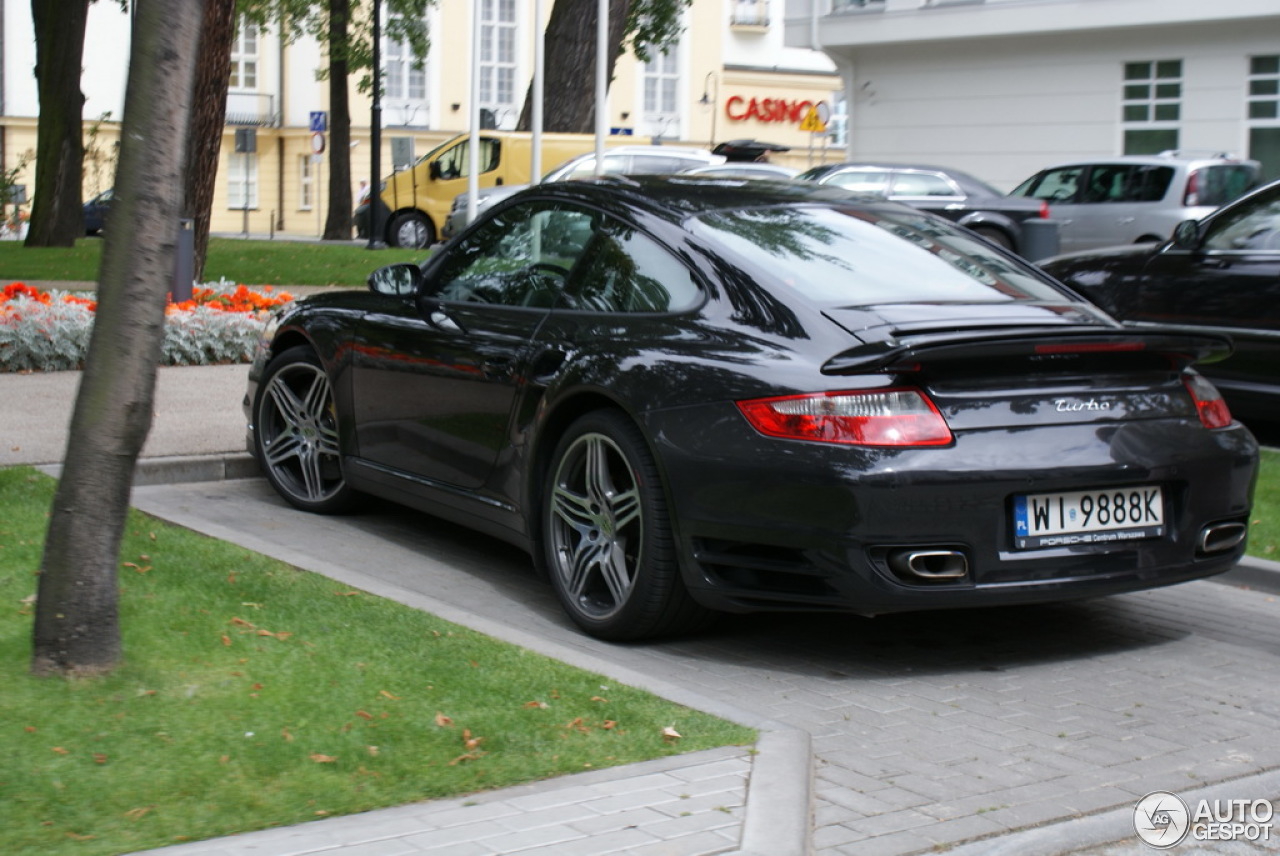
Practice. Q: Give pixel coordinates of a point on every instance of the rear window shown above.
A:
(864, 257)
(1218, 185)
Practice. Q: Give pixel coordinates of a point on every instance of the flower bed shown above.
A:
(49, 330)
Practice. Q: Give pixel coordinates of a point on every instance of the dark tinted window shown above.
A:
(853, 257)
(625, 271)
(519, 258)
(1218, 185)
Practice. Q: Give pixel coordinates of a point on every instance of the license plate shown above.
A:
(1087, 517)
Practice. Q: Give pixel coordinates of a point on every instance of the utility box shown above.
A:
(401, 153)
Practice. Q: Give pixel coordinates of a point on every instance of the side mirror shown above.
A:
(1186, 235)
(433, 169)
(400, 280)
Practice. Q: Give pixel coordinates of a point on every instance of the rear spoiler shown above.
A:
(906, 352)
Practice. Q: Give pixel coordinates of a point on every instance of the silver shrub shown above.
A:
(55, 337)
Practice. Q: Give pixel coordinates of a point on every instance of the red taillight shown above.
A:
(1044, 210)
(1210, 406)
(883, 417)
(1192, 196)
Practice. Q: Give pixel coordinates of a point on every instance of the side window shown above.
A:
(1056, 185)
(1106, 183)
(625, 271)
(1254, 228)
(862, 181)
(519, 258)
(454, 163)
(921, 184)
(1148, 183)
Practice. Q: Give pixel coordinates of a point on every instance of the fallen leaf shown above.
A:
(323, 759)
(443, 721)
(142, 569)
(542, 705)
(609, 725)
(669, 733)
(226, 640)
(470, 756)
(284, 732)
(59, 750)
(139, 813)
(364, 715)
(470, 742)
(74, 837)
(373, 750)
(30, 729)
(99, 758)
(242, 623)
(386, 694)
(597, 698)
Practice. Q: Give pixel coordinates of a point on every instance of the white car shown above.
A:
(1136, 199)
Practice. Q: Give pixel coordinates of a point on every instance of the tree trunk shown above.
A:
(571, 59)
(208, 120)
(57, 208)
(77, 620)
(337, 225)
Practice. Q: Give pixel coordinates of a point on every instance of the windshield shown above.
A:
(865, 257)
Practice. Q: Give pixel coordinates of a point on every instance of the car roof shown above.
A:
(675, 197)
(1166, 158)
(968, 180)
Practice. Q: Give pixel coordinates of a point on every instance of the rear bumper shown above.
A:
(815, 526)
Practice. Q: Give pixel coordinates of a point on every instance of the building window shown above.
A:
(1264, 87)
(306, 182)
(498, 60)
(244, 57)
(750, 13)
(661, 87)
(404, 75)
(1152, 105)
(242, 181)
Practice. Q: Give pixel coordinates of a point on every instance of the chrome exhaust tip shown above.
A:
(1219, 537)
(929, 565)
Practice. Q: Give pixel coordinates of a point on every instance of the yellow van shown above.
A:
(417, 200)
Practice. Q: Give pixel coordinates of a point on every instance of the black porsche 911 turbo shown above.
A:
(685, 395)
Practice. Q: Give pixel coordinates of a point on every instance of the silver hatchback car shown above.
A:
(1136, 198)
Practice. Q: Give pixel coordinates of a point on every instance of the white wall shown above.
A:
(1004, 108)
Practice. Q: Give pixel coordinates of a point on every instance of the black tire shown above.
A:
(606, 535)
(995, 236)
(296, 433)
(411, 230)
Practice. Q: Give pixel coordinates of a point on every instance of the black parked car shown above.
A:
(1220, 274)
(96, 211)
(683, 395)
(948, 193)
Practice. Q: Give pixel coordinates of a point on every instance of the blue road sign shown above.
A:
(319, 121)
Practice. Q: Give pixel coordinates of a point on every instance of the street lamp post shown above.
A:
(376, 226)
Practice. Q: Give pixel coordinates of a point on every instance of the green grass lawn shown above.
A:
(255, 695)
(241, 261)
(1264, 529)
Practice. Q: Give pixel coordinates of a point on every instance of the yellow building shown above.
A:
(728, 76)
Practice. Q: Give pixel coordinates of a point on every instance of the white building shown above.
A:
(729, 76)
(1002, 88)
